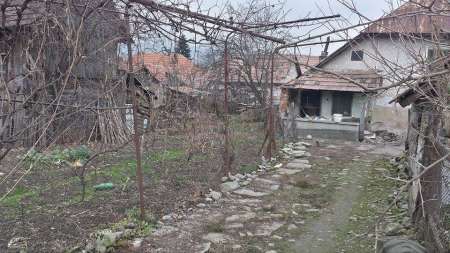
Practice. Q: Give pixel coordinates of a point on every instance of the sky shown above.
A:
(372, 9)
(296, 9)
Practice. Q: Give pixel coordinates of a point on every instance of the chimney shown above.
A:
(324, 53)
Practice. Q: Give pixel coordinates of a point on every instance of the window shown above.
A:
(432, 55)
(357, 55)
(342, 103)
(310, 103)
(3, 64)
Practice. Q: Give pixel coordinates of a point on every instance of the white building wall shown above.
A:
(358, 103)
(385, 54)
(391, 56)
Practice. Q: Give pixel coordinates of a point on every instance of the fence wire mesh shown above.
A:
(444, 230)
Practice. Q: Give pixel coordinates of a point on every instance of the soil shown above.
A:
(180, 165)
(336, 214)
(329, 207)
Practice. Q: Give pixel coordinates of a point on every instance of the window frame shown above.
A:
(357, 55)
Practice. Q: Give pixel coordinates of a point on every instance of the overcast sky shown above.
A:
(372, 9)
(296, 9)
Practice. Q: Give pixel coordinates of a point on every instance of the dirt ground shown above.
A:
(45, 210)
(329, 207)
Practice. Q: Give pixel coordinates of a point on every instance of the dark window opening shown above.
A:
(342, 103)
(3, 65)
(433, 55)
(310, 103)
(357, 55)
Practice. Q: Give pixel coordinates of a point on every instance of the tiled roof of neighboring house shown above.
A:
(164, 66)
(283, 72)
(317, 80)
(413, 17)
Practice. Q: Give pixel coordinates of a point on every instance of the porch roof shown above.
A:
(317, 80)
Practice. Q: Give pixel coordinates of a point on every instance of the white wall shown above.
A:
(385, 54)
(358, 103)
(391, 56)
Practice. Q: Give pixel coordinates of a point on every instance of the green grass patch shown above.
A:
(215, 227)
(166, 155)
(18, 195)
(248, 168)
(365, 211)
(141, 229)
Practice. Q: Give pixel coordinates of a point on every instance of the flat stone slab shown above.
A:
(298, 166)
(307, 144)
(247, 201)
(300, 161)
(268, 229)
(300, 154)
(165, 230)
(265, 181)
(288, 171)
(234, 226)
(204, 248)
(274, 187)
(298, 147)
(240, 217)
(229, 186)
(250, 193)
(217, 238)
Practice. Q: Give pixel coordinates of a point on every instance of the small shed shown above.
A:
(427, 142)
(328, 105)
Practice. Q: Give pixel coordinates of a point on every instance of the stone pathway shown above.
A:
(264, 211)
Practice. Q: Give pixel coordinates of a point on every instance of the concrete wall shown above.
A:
(324, 129)
(326, 104)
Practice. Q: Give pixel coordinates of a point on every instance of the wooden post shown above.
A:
(425, 195)
(293, 126)
(136, 127)
(271, 126)
(226, 155)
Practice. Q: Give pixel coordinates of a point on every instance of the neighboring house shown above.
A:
(324, 105)
(392, 47)
(247, 80)
(164, 74)
(38, 67)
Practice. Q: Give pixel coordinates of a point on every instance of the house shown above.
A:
(52, 77)
(328, 105)
(166, 74)
(394, 47)
(249, 81)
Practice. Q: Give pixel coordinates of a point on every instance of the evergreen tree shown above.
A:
(183, 47)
